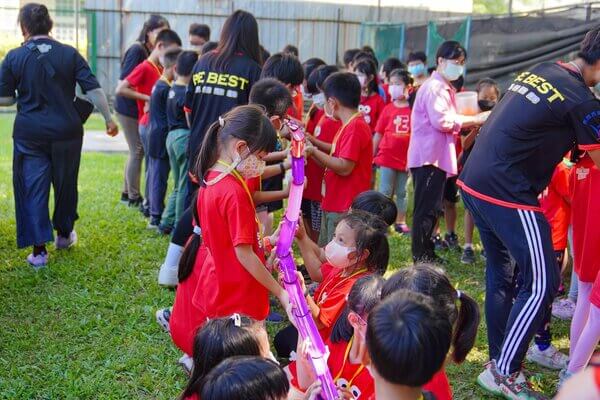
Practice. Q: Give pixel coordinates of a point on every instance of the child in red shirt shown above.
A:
(359, 248)
(585, 327)
(390, 145)
(348, 164)
(371, 103)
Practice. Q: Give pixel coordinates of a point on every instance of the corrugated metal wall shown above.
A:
(318, 29)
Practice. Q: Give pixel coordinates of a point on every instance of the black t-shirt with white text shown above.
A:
(159, 127)
(545, 113)
(175, 103)
(211, 93)
(45, 89)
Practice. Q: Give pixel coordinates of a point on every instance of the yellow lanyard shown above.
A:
(339, 133)
(321, 300)
(346, 354)
(168, 82)
(156, 67)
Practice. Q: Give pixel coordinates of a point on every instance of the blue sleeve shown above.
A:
(8, 83)
(132, 58)
(84, 75)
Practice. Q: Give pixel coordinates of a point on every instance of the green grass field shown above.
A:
(84, 328)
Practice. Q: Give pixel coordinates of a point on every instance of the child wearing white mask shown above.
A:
(371, 103)
(390, 145)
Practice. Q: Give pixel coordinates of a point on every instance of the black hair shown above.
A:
(201, 30)
(345, 87)
(349, 56)
(171, 56)
(168, 37)
(217, 340)
(488, 82)
(247, 123)
(315, 80)
(35, 19)
(310, 65)
(246, 378)
(408, 338)
(378, 204)
(155, 21)
(417, 56)
(370, 233)
(364, 55)
(209, 46)
(368, 67)
(404, 76)
(368, 49)
(590, 46)
(272, 95)
(432, 281)
(450, 50)
(185, 62)
(238, 35)
(458, 83)
(391, 64)
(265, 53)
(363, 297)
(188, 257)
(283, 67)
(291, 49)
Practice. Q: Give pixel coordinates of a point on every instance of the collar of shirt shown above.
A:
(438, 77)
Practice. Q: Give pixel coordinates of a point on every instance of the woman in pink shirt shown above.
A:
(432, 153)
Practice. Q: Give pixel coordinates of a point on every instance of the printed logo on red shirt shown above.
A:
(343, 383)
(402, 123)
(365, 110)
(582, 173)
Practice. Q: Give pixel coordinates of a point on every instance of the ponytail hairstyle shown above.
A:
(35, 19)
(246, 378)
(315, 80)
(248, 123)
(154, 22)
(378, 204)
(370, 233)
(188, 257)
(238, 35)
(363, 297)
(368, 67)
(217, 340)
(433, 282)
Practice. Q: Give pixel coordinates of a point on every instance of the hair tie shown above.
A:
(458, 294)
(221, 121)
(237, 320)
(197, 230)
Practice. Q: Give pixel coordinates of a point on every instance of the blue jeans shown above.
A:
(524, 236)
(393, 181)
(158, 179)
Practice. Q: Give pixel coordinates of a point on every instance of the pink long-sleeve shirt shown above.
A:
(434, 125)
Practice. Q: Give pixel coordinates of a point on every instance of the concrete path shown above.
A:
(100, 141)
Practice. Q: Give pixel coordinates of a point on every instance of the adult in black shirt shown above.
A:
(222, 79)
(126, 109)
(48, 130)
(547, 111)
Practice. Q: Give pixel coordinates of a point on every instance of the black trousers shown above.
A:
(36, 165)
(429, 182)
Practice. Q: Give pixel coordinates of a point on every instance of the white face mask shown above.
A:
(251, 166)
(362, 79)
(337, 255)
(319, 100)
(452, 71)
(397, 92)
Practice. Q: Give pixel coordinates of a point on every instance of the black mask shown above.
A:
(486, 105)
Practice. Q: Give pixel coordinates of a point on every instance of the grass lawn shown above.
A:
(84, 328)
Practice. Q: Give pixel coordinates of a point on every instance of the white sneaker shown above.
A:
(550, 358)
(162, 317)
(489, 378)
(563, 309)
(563, 376)
(187, 363)
(167, 276)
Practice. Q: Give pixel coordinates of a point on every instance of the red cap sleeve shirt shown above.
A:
(555, 206)
(228, 219)
(354, 143)
(142, 79)
(585, 192)
(371, 107)
(324, 129)
(394, 126)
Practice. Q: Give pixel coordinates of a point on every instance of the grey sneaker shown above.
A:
(563, 376)
(38, 262)
(62, 243)
(162, 317)
(550, 358)
(187, 363)
(563, 309)
(511, 387)
(468, 256)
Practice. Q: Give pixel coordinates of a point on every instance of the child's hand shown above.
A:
(146, 107)
(301, 229)
(313, 391)
(286, 190)
(301, 280)
(345, 393)
(112, 129)
(482, 117)
(284, 132)
(284, 299)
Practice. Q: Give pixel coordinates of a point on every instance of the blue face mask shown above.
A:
(416, 70)
(452, 71)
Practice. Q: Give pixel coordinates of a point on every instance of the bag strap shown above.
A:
(41, 58)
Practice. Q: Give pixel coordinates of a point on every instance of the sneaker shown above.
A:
(124, 198)
(402, 229)
(145, 209)
(512, 387)
(165, 230)
(274, 317)
(563, 309)
(468, 256)
(489, 379)
(38, 262)
(162, 317)
(136, 203)
(563, 376)
(62, 243)
(452, 240)
(167, 276)
(439, 243)
(154, 223)
(187, 363)
(550, 358)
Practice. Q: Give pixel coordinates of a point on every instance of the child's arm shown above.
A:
(376, 139)
(276, 156)
(246, 256)
(311, 253)
(274, 170)
(261, 197)
(340, 166)
(468, 140)
(315, 310)
(321, 145)
(124, 89)
(304, 371)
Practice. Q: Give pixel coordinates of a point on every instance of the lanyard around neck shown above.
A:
(346, 356)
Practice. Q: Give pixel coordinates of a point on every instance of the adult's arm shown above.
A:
(99, 100)
(441, 112)
(8, 82)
